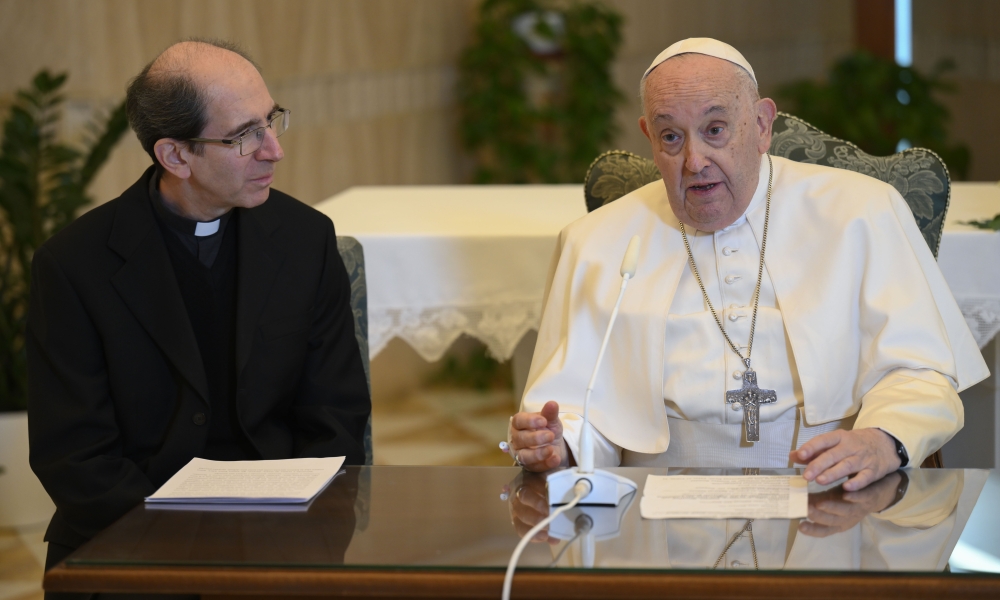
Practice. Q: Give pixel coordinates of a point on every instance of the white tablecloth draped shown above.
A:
(446, 260)
(970, 257)
(441, 261)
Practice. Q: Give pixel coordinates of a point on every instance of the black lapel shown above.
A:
(147, 284)
(257, 266)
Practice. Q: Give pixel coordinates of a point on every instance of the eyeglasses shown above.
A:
(251, 141)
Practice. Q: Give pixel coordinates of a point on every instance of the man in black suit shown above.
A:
(200, 314)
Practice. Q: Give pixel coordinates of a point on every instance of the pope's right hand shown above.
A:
(537, 439)
(835, 510)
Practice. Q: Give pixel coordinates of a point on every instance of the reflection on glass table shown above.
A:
(908, 521)
(430, 519)
(449, 532)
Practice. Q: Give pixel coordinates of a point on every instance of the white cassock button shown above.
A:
(727, 250)
(736, 564)
(735, 406)
(734, 317)
(737, 374)
(732, 278)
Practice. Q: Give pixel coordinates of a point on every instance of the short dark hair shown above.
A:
(169, 104)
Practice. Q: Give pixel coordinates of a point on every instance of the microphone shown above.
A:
(607, 488)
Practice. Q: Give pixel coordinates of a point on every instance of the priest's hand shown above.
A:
(537, 439)
(867, 454)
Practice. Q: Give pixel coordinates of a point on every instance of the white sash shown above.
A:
(721, 445)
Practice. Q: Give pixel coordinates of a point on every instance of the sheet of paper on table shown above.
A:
(220, 508)
(292, 481)
(721, 497)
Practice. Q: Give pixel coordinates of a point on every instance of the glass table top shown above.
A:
(930, 520)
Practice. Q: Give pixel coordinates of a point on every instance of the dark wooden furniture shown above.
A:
(438, 532)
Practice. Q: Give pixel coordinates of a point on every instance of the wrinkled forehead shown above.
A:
(692, 68)
(694, 79)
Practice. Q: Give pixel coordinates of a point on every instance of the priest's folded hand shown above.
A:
(867, 454)
(536, 439)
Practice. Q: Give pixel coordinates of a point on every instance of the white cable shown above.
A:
(582, 488)
(580, 531)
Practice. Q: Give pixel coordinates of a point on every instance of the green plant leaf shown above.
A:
(521, 137)
(113, 130)
(858, 102)
(42, 185)
(992, 224)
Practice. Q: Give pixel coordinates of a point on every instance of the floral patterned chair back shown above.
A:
(614, 174)
(918, 174)
(354, 261)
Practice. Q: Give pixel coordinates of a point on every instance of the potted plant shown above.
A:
(536, 96)
(42, 185)
(880, 106)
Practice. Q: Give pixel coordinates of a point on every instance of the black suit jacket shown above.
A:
(118, 397)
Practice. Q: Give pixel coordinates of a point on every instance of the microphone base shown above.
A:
(605, 521)
(607, 488)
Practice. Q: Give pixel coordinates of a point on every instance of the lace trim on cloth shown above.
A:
(983, 316)
(431, 331)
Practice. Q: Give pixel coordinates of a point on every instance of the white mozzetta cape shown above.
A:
(858, 289)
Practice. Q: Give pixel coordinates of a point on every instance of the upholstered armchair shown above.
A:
(919, 175)
(615, 174)
(354, 260)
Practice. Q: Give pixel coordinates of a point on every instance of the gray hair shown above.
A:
(167, 104)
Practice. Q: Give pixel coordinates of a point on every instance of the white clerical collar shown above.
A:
(735, 224)
(203, 229)
(759, 195)
(177, 222)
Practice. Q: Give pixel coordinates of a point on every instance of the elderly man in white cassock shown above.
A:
(809, 287)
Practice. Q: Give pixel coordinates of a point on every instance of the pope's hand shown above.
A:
(528, 502)
(835, 510)
(537, 439)
(867, 454)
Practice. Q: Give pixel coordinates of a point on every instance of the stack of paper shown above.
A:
(721, 497)
(279, 482)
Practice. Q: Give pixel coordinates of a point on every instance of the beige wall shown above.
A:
(784, 40)
(967, 31)
(370, 82)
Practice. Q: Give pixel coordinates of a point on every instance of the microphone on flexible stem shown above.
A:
(607, 488)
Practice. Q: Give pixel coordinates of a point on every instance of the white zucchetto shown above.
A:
(706, 46)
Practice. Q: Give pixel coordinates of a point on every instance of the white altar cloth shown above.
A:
(441, 261)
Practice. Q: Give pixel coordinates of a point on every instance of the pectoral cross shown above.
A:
(750, 397)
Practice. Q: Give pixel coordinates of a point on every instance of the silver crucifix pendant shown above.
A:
(750, 397)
